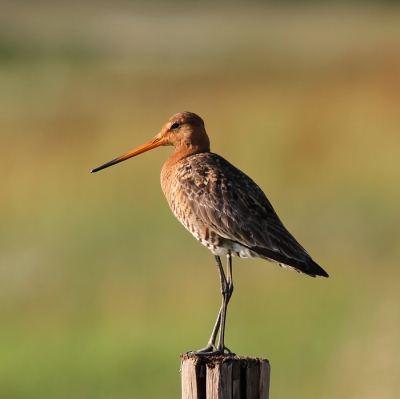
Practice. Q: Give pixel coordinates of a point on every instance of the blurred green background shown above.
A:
(101, 288)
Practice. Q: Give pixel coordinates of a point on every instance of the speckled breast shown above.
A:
(192, 187)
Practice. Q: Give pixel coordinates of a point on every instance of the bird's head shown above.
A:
(185, 131)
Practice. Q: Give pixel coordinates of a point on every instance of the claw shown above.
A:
(211, 350)
(230, 353)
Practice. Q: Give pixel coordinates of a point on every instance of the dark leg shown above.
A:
(226, 291)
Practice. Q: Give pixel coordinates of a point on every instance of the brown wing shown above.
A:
(233, 206)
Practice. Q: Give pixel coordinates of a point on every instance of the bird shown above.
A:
(223, 208)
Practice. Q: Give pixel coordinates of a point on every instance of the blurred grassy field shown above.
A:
(101, 288)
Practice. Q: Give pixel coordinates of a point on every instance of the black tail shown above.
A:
(306, 265)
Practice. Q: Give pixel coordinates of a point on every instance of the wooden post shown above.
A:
(224, 377)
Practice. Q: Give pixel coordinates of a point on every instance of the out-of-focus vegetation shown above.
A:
(100, 286)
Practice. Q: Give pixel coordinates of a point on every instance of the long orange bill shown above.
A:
(156, 142)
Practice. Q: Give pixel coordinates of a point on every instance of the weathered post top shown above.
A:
(224, 377)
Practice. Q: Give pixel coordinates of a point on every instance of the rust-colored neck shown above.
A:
(181, 153)
(186, 149)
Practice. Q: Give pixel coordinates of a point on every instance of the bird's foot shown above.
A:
(212, 350)
(228, 352)
(209, 350)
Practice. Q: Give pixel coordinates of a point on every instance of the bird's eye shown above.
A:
(175, 125)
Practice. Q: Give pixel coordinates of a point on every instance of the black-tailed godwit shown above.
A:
(222, 207)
